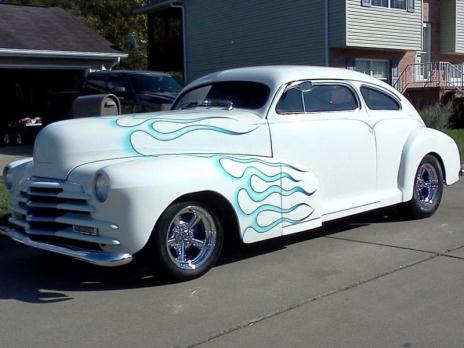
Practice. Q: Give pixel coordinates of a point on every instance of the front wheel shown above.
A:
(186, 241)
(428, 189)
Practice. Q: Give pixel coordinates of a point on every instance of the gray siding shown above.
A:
(387, 28)
(226, 34)
(337, 23)
(452, 30)
(448, 26)
(459, 26)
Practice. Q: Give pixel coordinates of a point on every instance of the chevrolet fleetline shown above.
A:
(257, 153)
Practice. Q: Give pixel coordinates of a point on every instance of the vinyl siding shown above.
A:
(337, 23)
(448, 26)
(387, 28)
(459, 26)
(226, 34)
(452, 30)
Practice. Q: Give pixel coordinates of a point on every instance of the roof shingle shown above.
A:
(48, 28)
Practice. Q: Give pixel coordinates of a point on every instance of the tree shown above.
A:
(112, 19)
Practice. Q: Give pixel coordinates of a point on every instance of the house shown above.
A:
(45, 54)
(415, 45)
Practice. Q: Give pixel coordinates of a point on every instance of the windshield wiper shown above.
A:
(209, 103)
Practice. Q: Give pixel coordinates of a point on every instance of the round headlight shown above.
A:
(102, 187)
(8, 177)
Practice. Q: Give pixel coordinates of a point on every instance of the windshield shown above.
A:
(236, 94)
(155, 84)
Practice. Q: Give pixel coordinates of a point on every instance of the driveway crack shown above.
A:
(307, 301)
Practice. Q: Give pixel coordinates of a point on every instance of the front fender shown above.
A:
(421, 142)
(266, 194)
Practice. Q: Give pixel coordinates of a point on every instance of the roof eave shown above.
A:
(9, 52)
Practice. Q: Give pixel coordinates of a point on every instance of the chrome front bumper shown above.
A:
(99, 258)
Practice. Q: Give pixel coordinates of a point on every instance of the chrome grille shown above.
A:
(44, 208)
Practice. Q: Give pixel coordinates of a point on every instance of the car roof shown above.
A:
(278, 75)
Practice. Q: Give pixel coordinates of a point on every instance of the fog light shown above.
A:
(90, 231)
(102, 187)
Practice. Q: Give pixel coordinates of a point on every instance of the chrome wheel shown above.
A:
(191, 238)
(427, 185)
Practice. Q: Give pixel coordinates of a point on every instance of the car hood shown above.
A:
(62, 146)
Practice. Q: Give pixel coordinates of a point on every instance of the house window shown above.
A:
(382, 3)
(400, 4)
(377, 68)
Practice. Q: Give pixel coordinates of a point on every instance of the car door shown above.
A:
(323, 126)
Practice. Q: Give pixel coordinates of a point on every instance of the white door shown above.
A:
(323, 127)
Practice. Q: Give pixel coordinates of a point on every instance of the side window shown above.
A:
(117, 86)
(291, 102)
(330, 98)
(95, 85)
(377, 100)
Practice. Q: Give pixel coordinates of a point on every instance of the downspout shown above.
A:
(179, 4)
(326, 38)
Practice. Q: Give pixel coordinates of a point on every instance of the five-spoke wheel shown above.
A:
(428, 188)
(187, 240)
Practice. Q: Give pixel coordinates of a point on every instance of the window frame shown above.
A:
(371, 60)
(344, 83)
(380, 90)
(407, 5)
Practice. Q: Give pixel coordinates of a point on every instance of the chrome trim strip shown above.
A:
(99, 258)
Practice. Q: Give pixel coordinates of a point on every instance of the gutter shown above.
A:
(180, 5)
(152, 7)
(8, 52)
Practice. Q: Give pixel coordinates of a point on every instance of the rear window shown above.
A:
(377, 100)
(242, 94)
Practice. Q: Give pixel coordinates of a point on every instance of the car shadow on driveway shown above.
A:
(33, 276)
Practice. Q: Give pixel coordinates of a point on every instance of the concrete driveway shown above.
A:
(10, 154)
(368, 281)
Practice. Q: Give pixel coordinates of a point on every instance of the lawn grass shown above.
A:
(458, 136)
(4, 197)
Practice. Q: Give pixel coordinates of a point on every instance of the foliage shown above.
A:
(437, 116)
(112, 19)
(458, 136)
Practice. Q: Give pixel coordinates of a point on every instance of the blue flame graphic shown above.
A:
(149, 127)
(274, 187)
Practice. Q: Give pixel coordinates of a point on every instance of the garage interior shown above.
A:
(45, 54)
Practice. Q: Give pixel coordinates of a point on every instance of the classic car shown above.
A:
(257, 153)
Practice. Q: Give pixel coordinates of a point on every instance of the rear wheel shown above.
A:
(19, 139)
(6, 139)
(186, 241)
(428, 189)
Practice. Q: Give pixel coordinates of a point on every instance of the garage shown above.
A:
(45, 54)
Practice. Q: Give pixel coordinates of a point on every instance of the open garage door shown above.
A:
(33, 98)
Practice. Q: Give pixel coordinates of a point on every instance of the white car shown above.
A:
(255, 152)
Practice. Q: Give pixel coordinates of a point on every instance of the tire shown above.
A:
(186, 241)
(19, 139)
(428, 189)
(6, 139)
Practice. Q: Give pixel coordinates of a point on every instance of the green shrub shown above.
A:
(437, 116)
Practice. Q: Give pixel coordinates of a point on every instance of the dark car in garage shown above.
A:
(138, 91)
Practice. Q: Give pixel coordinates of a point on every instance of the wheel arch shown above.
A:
(221, 206)
(423, 142)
